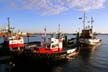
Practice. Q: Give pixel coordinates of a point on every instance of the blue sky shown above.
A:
(34, 15)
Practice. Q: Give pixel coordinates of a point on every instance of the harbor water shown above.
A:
(94, 61)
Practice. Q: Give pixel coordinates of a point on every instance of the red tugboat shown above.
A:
(53, 49)
(13, 42)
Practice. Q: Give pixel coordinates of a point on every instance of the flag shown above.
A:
(80, 17)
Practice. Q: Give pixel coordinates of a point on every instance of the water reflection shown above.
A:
(5, 68)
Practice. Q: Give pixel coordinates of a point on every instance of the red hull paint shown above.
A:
(48, 51)
(15, 45)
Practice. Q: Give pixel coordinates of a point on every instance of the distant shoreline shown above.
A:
(72, 33)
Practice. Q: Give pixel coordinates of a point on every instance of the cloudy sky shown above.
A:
(34, 15)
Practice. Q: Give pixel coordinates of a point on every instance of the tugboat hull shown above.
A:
(56, 56)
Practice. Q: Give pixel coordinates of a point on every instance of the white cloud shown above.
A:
(85, 5)
(57, 6)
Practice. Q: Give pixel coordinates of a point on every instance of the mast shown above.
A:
(59, 28)
(9, 25)
(58, 31)
(43, 41)
(84, 21)
(45, 31)
(92, 22)
(45, 34)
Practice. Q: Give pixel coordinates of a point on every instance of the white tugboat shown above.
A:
(87, 38)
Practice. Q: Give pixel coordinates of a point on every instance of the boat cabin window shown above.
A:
(54, 45)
